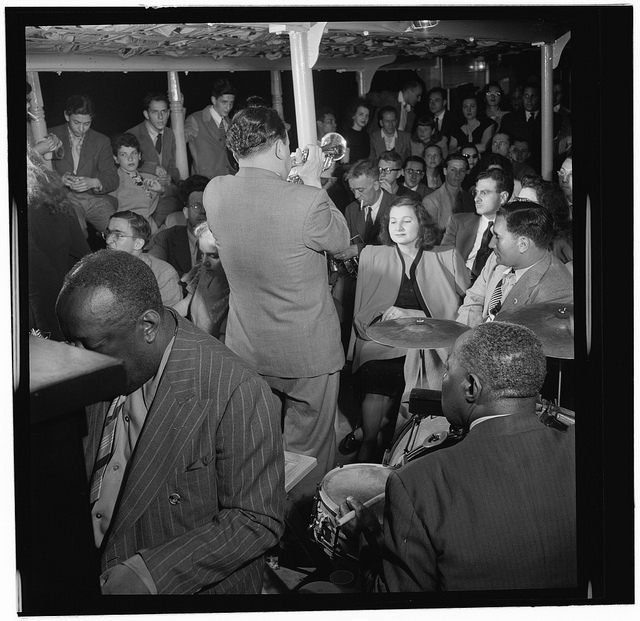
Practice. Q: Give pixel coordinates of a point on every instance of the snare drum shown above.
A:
(420, 435)
(364, 481)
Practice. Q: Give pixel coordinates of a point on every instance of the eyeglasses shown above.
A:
(470, 155)
(197, 207)
(483, 193)
(493, 93)
(499, 143)
(107, 234)
(386, 171)
(563, 174)
(413, 171)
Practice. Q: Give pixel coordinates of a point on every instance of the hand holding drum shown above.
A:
(362, 517)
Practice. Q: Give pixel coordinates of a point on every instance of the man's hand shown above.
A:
(349, 253)
(385, 185)
(161, 171)
(47, 145)
(310, 171)
(393, 312)
(364, 522)
(152, 185)
(82, 184)
(120, 580)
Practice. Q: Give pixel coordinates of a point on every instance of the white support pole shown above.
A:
(360, 77)
(303, 89)
(276, 92)
(546, 110)
(177, 123)
(39, 124)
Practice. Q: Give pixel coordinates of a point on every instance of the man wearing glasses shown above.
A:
(389, 167)
(178, 245)
(414, 170)
(130, 232)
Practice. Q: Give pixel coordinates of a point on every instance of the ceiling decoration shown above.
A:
(255, 41)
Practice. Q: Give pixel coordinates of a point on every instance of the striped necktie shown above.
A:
(495, 303)
(106, 447)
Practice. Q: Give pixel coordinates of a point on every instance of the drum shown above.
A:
(420, 435)
(364, 481)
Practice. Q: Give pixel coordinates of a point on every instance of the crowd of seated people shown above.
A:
(447, 218)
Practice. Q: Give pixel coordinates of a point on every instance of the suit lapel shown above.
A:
(525, 287)
(181, 249)
(171, 421)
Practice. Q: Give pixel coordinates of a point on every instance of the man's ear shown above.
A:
(473, 388)
(376, 185)
(149, 322)
(145, 114)
(504, 197)
(138, 243)
(280, 149)
(524, 243)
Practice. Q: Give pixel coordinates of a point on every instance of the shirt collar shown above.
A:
(387, 137)
(214, 115)
(403, 103)
(74, 139)
(153, 132)
(484, 418)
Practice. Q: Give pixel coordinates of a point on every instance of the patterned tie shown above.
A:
(223, 130)
(495, 303)
(483, 252)
(106, 447)
(159, 143)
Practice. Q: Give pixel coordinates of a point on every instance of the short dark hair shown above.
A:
(437, 89)
(386, 109)
(367, 167)
(194, 183)
(79, 104)
(354, 104)
(533, 84)
(254, 130)
(390, 156)
(128, 278)
(530, 220)
(488, 85)
(549, 195)
(322, 112)
(428, 232)
(411, 85)
(157, 96)
(452, 157)
(139, 224)
(504, 132)
(504, 181)
(508, 358)
(427, 121)
(495, 159)
(124, 140)
(222, 87)
(417, 159)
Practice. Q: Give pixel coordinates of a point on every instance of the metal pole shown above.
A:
(39, 124)
(276, 92)
(546, 110)
(361, 85)
(303, 89)
(177, 123)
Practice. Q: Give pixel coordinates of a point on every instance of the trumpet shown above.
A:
(334, 148)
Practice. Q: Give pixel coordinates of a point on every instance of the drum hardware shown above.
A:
(416, 333)
(553, 415)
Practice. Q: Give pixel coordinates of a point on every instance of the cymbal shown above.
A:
(416, 333)
(551, 323)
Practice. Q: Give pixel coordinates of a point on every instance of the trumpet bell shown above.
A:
(334, 145)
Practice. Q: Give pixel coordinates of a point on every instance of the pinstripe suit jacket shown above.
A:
(495, 511)
(547, 281)
(203, 497)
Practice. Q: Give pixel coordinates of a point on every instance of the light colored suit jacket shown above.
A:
(461, 232)
(402, 146)
(211, 157)
(204, 494)
(272, 237)
(442, 280)
(441, 204)
(151, 157)
(96, 159)
(494, 511)
(547, 281)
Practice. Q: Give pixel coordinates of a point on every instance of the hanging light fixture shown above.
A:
(478, 64)
(424, 25)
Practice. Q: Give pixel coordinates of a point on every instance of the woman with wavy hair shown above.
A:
(407, 276)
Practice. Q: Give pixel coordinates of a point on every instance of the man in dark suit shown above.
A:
(206, 134)
(527, 123)
(496, 510)
(389, 167)
(389, 137)
(471, 233)
(272, 238)
(186, 468)
(437, 101)
(87, 167)
(177, 245)
(404, 102)
(158, 146)
(521, 270)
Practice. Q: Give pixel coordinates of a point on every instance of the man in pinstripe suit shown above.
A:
(186, 468)
(498, 509)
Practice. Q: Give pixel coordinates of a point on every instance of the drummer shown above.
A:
(406, 277)
(521, 270)
(496, 510)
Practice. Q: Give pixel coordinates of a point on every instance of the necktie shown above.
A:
(483, 252)
(368, 223)
(106, 447)
(532, 118)
(159, 143)
(223, 130)
(76, 147)
(495, 303)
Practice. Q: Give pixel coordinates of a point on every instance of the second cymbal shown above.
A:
(416, 333)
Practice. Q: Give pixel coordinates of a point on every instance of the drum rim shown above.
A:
(324, 497)
(403, 432)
